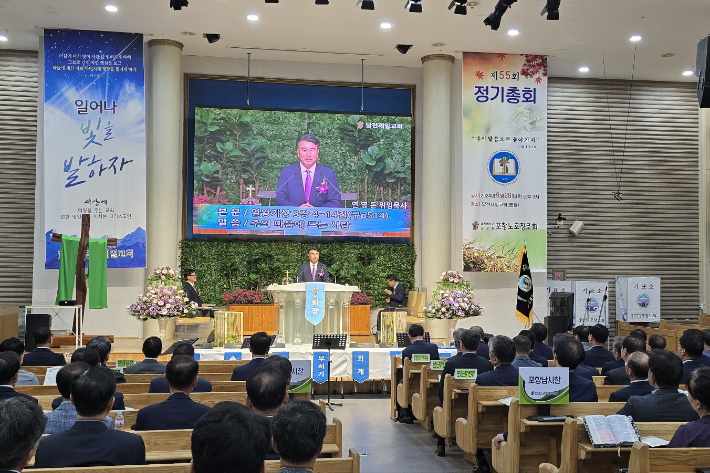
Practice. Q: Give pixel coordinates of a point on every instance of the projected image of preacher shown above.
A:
(307, 183)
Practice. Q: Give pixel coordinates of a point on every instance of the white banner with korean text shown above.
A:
(504, 161)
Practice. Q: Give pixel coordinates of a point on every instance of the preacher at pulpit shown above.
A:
(312, 270)
(189, 287)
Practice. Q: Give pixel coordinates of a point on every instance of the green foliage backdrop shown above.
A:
(256, 264)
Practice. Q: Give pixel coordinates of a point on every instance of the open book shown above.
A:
(611, 431)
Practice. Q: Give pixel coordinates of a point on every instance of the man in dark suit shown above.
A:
(259, 345)
(89, 442)
(483, 350)
(419, 346)
(533, 339)
(502, 355)
(618, 361)
(43, 356)
(313, 270)
(267, 390)
(102, 345)
(308, 184)
(298, 429)
(570, 353)
(159, 385)
(189, 287)
(617, 376)
(637, 370)
(690, 350)
(597, 355)
(230, 437)
(540, 349)
(152, 348)
(9, 371)
(21, 426)
(397, 297)
(178, 411)
(470, 340)
(665, 404)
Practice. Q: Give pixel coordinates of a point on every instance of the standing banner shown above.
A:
(320, 366)
(315, 302)
(591, 303)
(504, 161)
(361, 366)
(94, 141)
(638, 299)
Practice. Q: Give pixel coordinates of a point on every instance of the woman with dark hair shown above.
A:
(696, 433)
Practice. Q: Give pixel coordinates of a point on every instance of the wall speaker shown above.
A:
(32, 323)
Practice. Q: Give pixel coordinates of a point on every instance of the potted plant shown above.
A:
(452, 300)
(360, 313)
(162, 303)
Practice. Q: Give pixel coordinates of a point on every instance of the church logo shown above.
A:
(643, 301)
(503, 167)
(592, 305)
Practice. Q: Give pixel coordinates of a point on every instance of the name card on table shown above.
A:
(543, 385)
(465, 373)
(437, 365)
(300, 377)
(232, 355)
(420, 357)
(125, 363)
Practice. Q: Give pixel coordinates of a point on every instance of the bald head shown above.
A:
(637, 365)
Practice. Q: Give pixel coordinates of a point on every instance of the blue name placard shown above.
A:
(320, 366)
(315, 302)
(361, 366)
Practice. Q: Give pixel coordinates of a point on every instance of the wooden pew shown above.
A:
(137, 401)
(598, 380)
(679, 460)
(424, 401)
(454, 405)
(147, 378)
(133, 388)
(411, 374)
(486, 417)
(395, 376)
(531, 443)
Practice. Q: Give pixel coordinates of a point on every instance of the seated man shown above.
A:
(582, 370)
(178, 411)
(637, 371)
(502, 355)
(639, 333)
(618, 376)
(665, 404)
(152, 348)
(581, 333)
(159, 385)
(706, 342)
(597, 355)
(259, 345)
(522, 353)
(569, 353)
(540, 348)
(64, 416)
(91, 358)
(9, 372)
(483, 349)
(102, 345)
(24, 378)
(690, 350)
(533, 339)
(419, 346)
(456, 335)
(618, 361)
(656, 342)
(21, 426)
(89, 442)
(280, 363)
(298, 431)
(267, 390)
(230, 438)
(43, 356)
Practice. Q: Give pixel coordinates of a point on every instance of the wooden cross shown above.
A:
(81, 261)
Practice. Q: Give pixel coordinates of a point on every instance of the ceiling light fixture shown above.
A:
(635, 38)
(3, 38)
(688, 72)
(460, 7)
(513, 32)
(493, 20)
(414, 6)
(211, 37)
(385, 25)
(584, 69)
(552, 8)
(111, 8)
(403, 48)
(178, 4)
(322, 2)
(366, 4)
(253, 17)
(272, 1)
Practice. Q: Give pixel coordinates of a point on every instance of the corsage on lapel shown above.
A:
(323, 187)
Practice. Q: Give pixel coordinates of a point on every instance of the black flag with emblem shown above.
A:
(524, 306)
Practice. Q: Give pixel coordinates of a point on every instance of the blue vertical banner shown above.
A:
(315, 302)
(361, 366)
(94, 141)
(320, 366)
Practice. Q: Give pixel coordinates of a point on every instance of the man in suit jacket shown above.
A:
(89, 442)
(308, 184)
(483, 349)
(629, 345)
(397, 297)
(259, 345)
(21, 426)
(178, 411)
(24, 378)
(313, 270)
(90, 356)
(531, 354)
(418, 346)
(522, 353)
(540, 348)
(102, 345)
(502, 355)
(597, 355)
(43, 356)
(9, 371)
(618, 361)
(152, 348)
(189, 287)
(159, 385)
(665, 404)
(570, 353)
(690, 350)
(637, 371)
(298, 431)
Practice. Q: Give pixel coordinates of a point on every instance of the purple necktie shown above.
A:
(309, 184)
(314, 272)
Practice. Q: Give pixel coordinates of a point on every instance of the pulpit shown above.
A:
(392, 323)
(291, 299)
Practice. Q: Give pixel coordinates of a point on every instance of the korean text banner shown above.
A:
(504, 161)
(94, 141)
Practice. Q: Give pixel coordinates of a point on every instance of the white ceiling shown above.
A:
(298, 30)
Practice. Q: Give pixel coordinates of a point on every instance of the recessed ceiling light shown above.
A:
(187, 33)
(111, 8)
(3, 38)
(688, 73)
(438, 44)
(635, 38)
(513, 32)
(584, 69)
(253, 17)
(386, 25)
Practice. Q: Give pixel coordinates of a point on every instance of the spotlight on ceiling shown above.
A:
(211, 38)
(414, 6)
(552, 8)
(322, 2)
(460, 7)
(403, 48)
(366, 4)
(178, 4)
(493, 20)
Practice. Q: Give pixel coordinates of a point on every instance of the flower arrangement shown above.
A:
(245, 296)
(164, 276)
(360, 298)
(162, 301)
(453, 298)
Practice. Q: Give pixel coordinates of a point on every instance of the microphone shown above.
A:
(298, 276)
